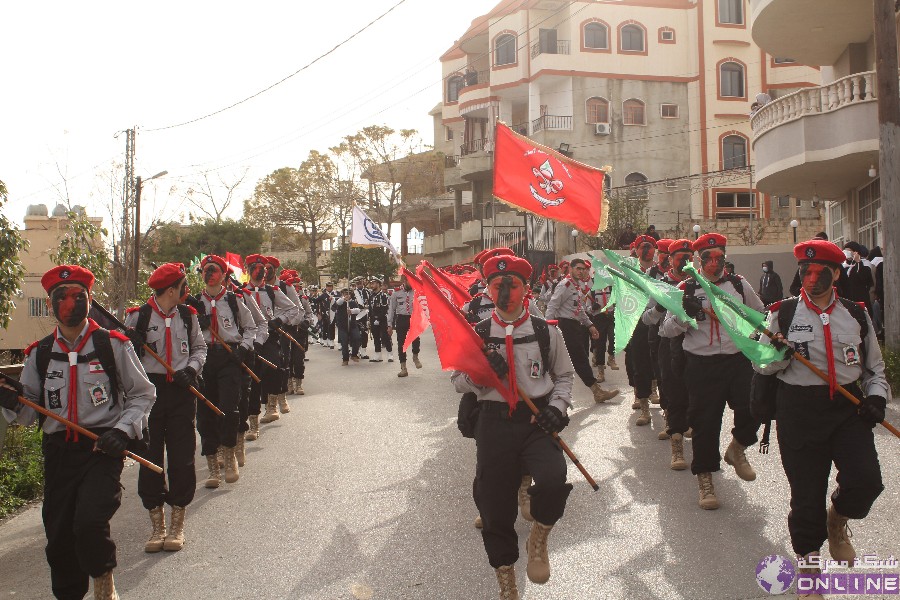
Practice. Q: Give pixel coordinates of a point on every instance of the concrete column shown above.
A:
(457, 208)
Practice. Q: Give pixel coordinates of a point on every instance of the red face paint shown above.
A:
(507, 292)
(70, 304)
(712, 263)
(270, 272)
(680, 260)
(185, 290)
(646, 252)
(664, 261)
(213, 275)
(257, 270)
(816, 279)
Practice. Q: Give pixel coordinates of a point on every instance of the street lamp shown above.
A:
(137, 221)
(794, 224)
(696, 231)
(574, 235)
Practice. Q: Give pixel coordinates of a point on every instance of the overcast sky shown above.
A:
(75, 74)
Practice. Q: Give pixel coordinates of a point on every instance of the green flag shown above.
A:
(602, 278)
(740, 322)
(195, 264)
(662, 293)
(630, 303)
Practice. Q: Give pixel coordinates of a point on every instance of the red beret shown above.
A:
(482, 257)
(507, 265)
(70, 274)
(681, 246)
(287, 275)
(273, 261)
(218, 260)
(552, 267)
(255, 258)
(644, 239)
(166, 275)
(564, 264)
(819, 251)
(663, 244)
(709, 240)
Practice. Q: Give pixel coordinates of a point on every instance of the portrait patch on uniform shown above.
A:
(53, 399)
(851, 355)
(54, 374)
(95, 367)
(184, 347)
(98, 393)
(270, 313)
(226, 322)
(535, 370)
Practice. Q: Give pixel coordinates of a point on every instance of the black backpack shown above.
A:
(103, 353)
(691, 286)
(146, 310)
(231, 299)
(541, 335)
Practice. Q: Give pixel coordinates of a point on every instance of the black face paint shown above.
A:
(503, 296)
(257, 270)
(70, 304)
(680, 261)
(816, 279)
(664, 261)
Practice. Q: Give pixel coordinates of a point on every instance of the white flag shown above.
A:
(367, 234)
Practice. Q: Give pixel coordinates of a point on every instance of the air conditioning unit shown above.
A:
(601, 129)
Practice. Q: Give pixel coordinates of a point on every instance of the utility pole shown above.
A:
(127, 273)
(888, 94)
(137, 229)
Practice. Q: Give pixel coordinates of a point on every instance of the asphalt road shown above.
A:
(364, 491)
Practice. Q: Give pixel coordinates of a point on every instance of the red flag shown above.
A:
(546, 183)
(235, 264)
(459, 347)
(466, 280)
(419, 320)
(454, 293)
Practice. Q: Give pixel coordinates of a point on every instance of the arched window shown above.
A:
(505, 49)
(633, 112)
(731, 80)
(597, 110)
(596, 36)
(454, 84)
(632, 38)
(734, 152)
(635, 183)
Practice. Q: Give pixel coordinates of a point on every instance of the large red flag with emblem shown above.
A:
(459, 347)
(452, 290)
(418, 321)
(465, 280)
(542, 181)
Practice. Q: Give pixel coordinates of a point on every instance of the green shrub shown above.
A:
(892, 369)
(21, 468)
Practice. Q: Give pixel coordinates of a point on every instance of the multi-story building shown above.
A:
(822, 141)
(658, 89)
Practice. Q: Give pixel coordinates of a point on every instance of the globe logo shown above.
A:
(775, 574)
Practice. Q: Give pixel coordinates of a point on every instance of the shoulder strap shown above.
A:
(185, 313)
(859, 313)
(690, 287)
(231, 299)
(271, 291)
(42, 356)
(738, 284)
(786, 311)
(542, 332)
(483, 329)
(143, 318)
(103, 348)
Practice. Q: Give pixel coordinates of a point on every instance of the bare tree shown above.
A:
(213, 195)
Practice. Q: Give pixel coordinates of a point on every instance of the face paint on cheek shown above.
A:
(664, 261)
(185, 290)
(70, 305)
(712, 263)
(817, 279)
(647, 252)
(212, 276)
(270, 273)
(257, 272)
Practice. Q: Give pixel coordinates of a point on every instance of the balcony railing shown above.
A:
(471, 78)
(561, 47)
(853, 89)
(451, 161)
(472, 146)
(551, 122)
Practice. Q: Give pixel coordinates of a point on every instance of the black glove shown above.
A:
(113, 442)
(551, 419)
(275, 323)
(661, 308)
(778, 344)
(185, 377)
(472, 318)
(10, 398)
(240, 354)
(257, 347)
(871, 409)
(138, 338)
(204, 321)
(498, 364)
(194, 303)
(692, 306)
(468, 414)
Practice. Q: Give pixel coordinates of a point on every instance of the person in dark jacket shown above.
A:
(859, 276)
(876, 260)
(770, 288)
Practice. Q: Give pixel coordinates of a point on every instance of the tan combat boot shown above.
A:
(298, 387)
(525, 498)
(678, 462)
(283, 405)
(689, 433)
(664, 432)
(105, 587)
(239, 453)
(506, 577)
(601, 373)
(158, 519)
(344, 363)
(231, 466)
(403, 372)
(416, 360)
(271, 409)
(708, 500)
(644, 417)
(215, 474)
(290, 386)
(538, 569)
(737, 458)
(601, 395)
(253, 434)
(611, 362)
(175, 539)
(479, 524)
(809, 571)
(839, 537)
(220, 457)
(654, 392)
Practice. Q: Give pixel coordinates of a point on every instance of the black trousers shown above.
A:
(577, 339)
(287, 348)
(713, 381)
(506, 448)
(298, 355)
(605, 324)
(244, 397)
(402, 330)
(815, 431)
(380, 334)
(349, 341)
(172, 421)
(222, 385)
(270, 379)
(81, 494)
(363, 338)
(672, 364)
(653, 341)
(328, 327)
(641, 361)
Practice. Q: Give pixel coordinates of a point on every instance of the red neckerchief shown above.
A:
(584, 291)
(73, 383)
(256, 289)
(675, 276)
(510, 358)
(824, 316)
(214, 318)
(168, 320)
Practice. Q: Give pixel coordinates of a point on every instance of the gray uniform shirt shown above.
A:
(291, 294)
(306, 312)
(282, 308)
(807, 334)
(557, 380)
(129, 413)
(262, 330)
(228, 322)
(402, 303)
(187, 350)
(571, 301)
